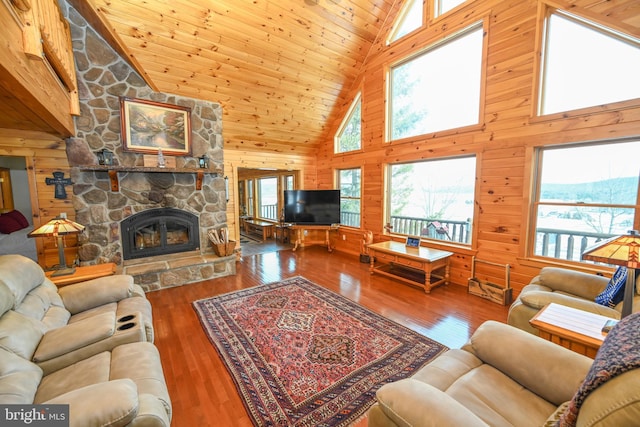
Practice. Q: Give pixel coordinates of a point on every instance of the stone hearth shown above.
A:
(178, 269)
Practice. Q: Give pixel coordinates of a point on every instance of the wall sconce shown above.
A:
(203, 162)
(226, 187)
(105, 157)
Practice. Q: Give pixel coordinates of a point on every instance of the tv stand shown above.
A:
(304, 238)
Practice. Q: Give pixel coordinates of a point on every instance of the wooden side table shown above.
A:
(577, 330)
(282, 233)
(83, 273)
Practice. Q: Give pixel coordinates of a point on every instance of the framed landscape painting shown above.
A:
(148, 126)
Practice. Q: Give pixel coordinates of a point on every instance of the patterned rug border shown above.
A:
(411, 360)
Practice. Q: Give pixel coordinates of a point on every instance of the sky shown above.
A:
(573, 165)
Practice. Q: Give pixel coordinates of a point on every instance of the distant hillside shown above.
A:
(617, 191)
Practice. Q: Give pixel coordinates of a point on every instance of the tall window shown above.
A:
(409, 19)
(439, 88)
(349, 136)
(250, 199)
(584, 193)
(433, 199)
(268, 198)
(288, 182)
(585, 64)
(349, 183)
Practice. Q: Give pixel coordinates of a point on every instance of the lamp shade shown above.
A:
(58, 226)
(621, 250)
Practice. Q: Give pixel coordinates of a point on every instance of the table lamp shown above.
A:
(59, 227)
(621, 250)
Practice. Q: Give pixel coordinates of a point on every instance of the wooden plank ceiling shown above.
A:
(281, 69)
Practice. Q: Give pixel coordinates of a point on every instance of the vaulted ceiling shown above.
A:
(281, 69)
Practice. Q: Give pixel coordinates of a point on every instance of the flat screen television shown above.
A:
(312, 207)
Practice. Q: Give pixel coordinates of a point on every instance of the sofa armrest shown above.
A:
(411, 402)
(73, 336)
(583, 285)
(539, 299)
(538, 365)
(96, 292)
(108, 403)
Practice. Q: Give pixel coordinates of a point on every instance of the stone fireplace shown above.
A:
(106, 197)
(151, 210)
(159, 231)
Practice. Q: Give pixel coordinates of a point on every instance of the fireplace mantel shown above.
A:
(113, 170)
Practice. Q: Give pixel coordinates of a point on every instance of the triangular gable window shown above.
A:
(409, 19)
(585, 65)
(349, 134)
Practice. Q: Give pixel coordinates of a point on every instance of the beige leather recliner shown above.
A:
(505, 377)
(87, 345)
(123, 387)
(55, 327)
(561, 286)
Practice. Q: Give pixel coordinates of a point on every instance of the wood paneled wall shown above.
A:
(503, 143)
(44, 154)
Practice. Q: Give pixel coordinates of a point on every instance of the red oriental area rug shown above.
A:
(302, 355)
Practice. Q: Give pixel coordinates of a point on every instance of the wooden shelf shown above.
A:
(113, 170)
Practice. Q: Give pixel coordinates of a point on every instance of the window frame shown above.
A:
(259, 197)
(546, 10)
(250, 198)
(532, 201)
(399, 21)
(437, 5)
(357, 101)
(359, 198)
(433, 44)
(472, 233)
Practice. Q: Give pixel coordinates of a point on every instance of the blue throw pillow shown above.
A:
(613, 294)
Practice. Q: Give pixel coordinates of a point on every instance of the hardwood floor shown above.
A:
(203, 393)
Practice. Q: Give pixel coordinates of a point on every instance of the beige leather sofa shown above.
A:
(88, 345)
(504, 377)
(561, 286)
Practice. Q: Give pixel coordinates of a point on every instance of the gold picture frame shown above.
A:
(148, 126)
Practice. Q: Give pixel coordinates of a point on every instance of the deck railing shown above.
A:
(565, 244)
(561, 244)
(441, 229)
(350, 219)
(269, 212)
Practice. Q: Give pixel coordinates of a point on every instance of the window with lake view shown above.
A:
(433, 199)
(583, 194)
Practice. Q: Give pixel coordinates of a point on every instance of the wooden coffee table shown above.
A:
(416, 266)
(577, 330)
